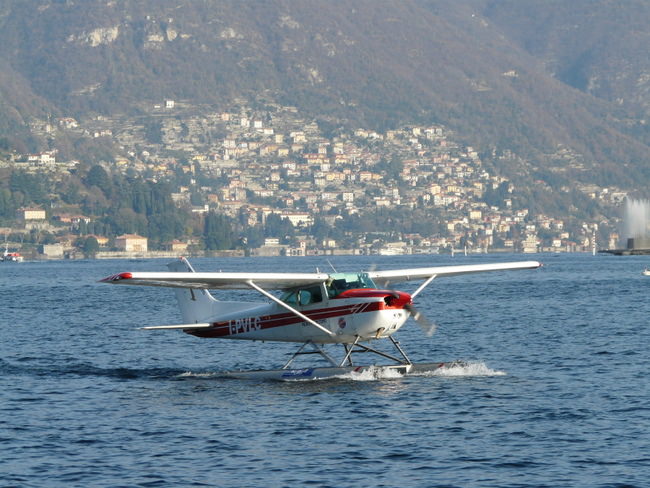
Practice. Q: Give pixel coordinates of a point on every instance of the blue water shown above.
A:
(555, 392)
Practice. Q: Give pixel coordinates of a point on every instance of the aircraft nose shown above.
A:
(397, 299)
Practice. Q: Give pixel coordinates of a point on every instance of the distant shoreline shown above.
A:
(254, 253)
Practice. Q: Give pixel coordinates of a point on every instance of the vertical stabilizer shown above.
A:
(196, 305)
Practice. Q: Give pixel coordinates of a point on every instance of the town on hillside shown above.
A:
(257, 165)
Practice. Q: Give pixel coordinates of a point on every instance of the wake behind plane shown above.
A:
(313, 309)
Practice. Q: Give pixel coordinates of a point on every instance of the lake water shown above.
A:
(555, 392)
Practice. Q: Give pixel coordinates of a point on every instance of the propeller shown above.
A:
(425, 324)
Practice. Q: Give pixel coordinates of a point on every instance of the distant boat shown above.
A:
(646, 272)
(391, 251)
(11, 257)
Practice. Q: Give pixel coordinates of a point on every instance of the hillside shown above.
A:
(511, 77)
(599, 48)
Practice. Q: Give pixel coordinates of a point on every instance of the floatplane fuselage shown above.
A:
(356, 314)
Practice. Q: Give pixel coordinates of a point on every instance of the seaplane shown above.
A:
(354, 310)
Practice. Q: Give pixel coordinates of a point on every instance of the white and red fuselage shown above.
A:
(365, 313)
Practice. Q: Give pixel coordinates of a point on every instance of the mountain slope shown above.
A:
(487, 70)
(599, 48)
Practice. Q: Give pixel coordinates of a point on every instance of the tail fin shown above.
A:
(196, 305)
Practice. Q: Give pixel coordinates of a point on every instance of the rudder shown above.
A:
(196, 305)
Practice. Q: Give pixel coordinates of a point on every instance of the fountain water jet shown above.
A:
(635, 234)
(635, 224)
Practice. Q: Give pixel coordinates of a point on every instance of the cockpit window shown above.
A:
(339, 282)
(303, 296)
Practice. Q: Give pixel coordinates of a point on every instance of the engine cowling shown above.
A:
(392, 298)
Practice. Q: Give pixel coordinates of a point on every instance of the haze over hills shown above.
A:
(550, 91)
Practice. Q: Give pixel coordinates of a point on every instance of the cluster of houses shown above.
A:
(66, 245)
(273, 161)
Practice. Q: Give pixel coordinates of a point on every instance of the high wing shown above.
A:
(284, 281)
(384, 278)
(231, 281)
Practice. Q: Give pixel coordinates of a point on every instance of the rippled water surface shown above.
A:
(555, 391)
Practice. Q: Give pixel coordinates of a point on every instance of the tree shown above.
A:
(217, 232)
(98, 177)
(70, 190)
(95, 203)
(7, 206)
(90, 247)
(277, 226)
(495, 197)
(320, 230)
(32, 187)
(126, 221)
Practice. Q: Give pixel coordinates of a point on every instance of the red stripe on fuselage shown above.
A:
(251, 324)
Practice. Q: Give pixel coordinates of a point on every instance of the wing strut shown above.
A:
(291, 309)
(423, 286)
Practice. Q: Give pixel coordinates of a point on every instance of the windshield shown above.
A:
(339, 282)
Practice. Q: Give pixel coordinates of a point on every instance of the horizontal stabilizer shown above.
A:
(178, 326)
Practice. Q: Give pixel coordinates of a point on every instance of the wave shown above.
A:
(464, 369)
(372, 373)
(207, 374)
(451, 369)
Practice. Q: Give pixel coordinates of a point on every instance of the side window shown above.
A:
(304, 296)
(310, 295)
(316, 294)
(290, 298)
